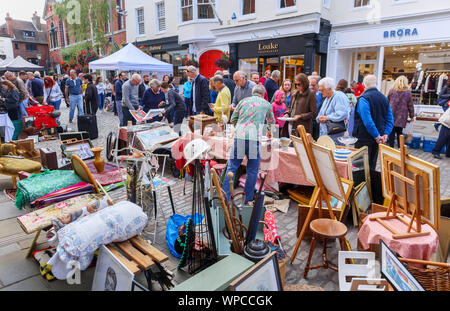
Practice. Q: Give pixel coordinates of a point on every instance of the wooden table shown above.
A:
(202, 120)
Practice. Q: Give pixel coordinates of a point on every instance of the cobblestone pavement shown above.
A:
(18, 273)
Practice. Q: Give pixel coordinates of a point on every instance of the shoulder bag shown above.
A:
(334, 127)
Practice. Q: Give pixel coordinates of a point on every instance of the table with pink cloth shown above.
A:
(421, 247)
(282, 166)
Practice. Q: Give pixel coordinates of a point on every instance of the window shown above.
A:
(61, 31)
(361, 3)
(67, 36)
(248, 7)
(31, 47)
(161, 16)
(28, 34)
(205, 11)
(327, 4)
(16, 46)
(287, 3)
(187, 10)
(119, 16)
(140, 25)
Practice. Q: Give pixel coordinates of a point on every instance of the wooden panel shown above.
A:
(142, 260)
(149, 249)
(128, 263)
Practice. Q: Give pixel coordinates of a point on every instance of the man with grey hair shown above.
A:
(130, 98)
(23, 93)
(373, 120)
(333, 112)
(271, 84)
(243, 87)
(250, 117)
(73, 94)
(200, 92)
(153, 98)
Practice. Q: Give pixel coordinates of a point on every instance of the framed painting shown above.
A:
(395, 272)
(303, 158)
(338, 205)
(264, 276)
(362, 198)
(111, 274)
(328, 170)
(152, 139)
(429, 183)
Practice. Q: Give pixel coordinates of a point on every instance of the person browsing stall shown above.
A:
(200, 92)
(250, 117)
(176, 104)
(221, 107)
(52, 93)
(117, 92)
(90, 96)
(243, 87)
(153, 98)
(73, 93)
(130, 98)
(271, 84)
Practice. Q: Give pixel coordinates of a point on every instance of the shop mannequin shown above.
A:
(418, 77)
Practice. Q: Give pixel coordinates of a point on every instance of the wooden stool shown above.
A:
(325, 229)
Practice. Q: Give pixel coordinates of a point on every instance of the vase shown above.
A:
(99, 162)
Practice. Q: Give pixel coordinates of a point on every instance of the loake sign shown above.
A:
(272, 47)
(268, 48)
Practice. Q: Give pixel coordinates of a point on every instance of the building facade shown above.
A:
(60, 36)
(390, 38)
(289, 35)
(6, 49)
(28, 38)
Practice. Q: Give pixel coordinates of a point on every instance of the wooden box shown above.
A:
(49, 158)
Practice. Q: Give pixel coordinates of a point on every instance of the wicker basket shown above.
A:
(435, 279)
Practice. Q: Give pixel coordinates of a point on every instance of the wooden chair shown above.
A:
(325, 229)
(350, 269)
(432, 279)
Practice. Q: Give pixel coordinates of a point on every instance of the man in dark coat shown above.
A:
(200, 92)
(271, 84)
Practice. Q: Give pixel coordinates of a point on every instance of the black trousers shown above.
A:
(396, 131)
(443, 140)
(372, 150)
(127, 117)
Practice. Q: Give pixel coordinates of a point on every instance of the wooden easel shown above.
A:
(397, 200)
(320, 192)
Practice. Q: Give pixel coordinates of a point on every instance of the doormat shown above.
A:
(10, 194)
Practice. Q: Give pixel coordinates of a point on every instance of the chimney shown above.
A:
(9, 25)
(37, 21)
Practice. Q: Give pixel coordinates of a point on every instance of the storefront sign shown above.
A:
(281, 46)
(268, 48)
(400, 33)
(156, 48)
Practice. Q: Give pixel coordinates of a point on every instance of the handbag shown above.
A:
(334, 127)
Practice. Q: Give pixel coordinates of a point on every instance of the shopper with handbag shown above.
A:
(373, 119)
(10, 99)
(334, 110)
(52, 93)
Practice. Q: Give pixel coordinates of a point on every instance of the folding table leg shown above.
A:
(171, 199)
(33, 243)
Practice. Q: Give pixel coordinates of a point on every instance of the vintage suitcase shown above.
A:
(49, 158)
(88, 123)
(72, 135)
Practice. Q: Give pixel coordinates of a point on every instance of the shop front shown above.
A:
(412, 47)
(168, 50)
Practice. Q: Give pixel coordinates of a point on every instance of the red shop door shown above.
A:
(207, 59)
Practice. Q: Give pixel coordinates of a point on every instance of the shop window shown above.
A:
(248, 66)
(361, 3)
(187, 10)
(248, 7)
(140, 23)
(287, 3)
(161, 16)
(204, 9)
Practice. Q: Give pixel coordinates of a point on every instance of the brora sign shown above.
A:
(400, 33)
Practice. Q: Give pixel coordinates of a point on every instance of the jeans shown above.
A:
(396, 131)
(101, 100)
(119, 111)
(443, 140)
(76, 101)
(22, 111)
(250, 149)
(55, 104)
(18, 126)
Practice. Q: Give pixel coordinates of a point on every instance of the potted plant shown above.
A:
(223, 62)
(190, 62)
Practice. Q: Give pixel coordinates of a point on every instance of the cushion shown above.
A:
(14, 166)
(6, 149)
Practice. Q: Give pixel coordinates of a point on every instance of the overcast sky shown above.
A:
(21, 9)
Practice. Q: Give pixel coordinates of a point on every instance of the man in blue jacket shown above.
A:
(271, 84)
(118, 94)
(200, 92)
(373, 119)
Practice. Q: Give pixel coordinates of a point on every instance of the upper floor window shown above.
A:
(361, 3)
(161, 16)
(248, 7)
(205, 10)
(119, 16)
(31, 47)
(187, 9)
(67, 36)
(287, 3)
(61, 33)
(327, 4)
(140, 25)
(28, 34)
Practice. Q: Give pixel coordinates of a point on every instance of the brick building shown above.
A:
(59, 37)
(29, 39)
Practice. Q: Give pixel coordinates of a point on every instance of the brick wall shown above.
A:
(22, 51)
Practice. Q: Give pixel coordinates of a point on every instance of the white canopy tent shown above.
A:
(18, 64)
(131, 58)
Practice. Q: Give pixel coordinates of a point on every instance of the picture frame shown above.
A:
(362, 199)
(327, 168)
(110, 273)
(153, 138)
(263, 276)
(429, 181)
(81, 148)
(303, 158)
(395, 271)
(338, 205)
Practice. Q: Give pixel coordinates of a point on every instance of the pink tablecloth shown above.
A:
(413, 248)
(281, 166)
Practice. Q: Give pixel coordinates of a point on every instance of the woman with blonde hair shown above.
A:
(286, 87)
(400, 99)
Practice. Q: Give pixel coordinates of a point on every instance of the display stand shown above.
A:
(320, 194)
(397, 200)
(203, 120)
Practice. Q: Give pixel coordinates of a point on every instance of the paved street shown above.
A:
(18, 273)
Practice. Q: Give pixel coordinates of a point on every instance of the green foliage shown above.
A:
(70, 52)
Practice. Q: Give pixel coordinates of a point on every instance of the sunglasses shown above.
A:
(298, 84)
